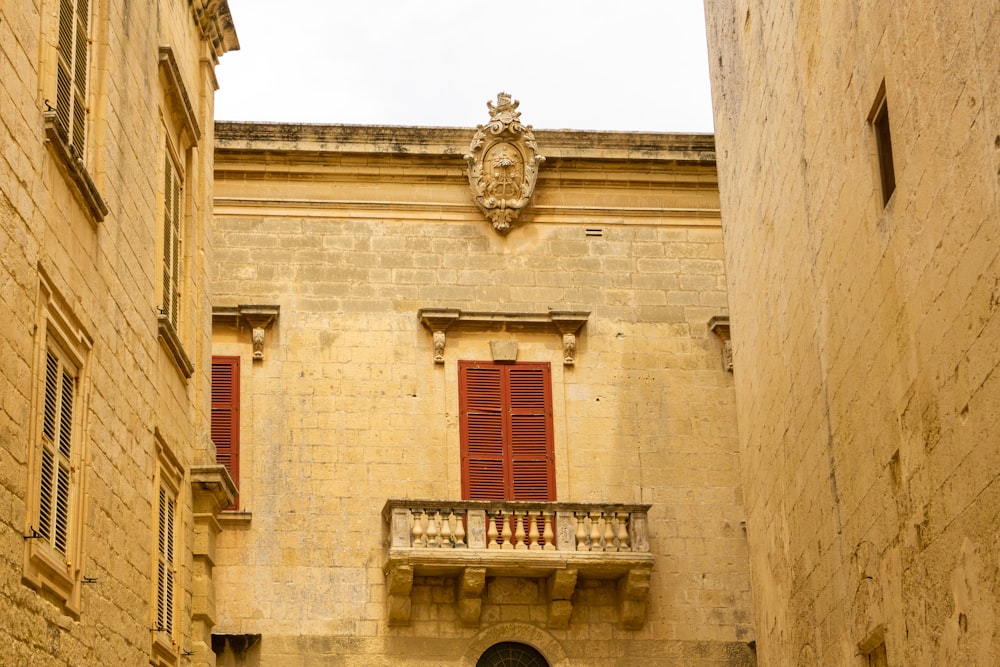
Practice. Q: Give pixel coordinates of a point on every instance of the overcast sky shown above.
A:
(577, 64)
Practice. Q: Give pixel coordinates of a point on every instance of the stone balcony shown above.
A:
(472, 540)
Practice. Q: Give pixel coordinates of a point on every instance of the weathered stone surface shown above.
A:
(81, 243)
(368, 241)
(865, 333)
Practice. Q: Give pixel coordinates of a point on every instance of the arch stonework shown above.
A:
(537, 638)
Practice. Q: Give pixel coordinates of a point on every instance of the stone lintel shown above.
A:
(252, 315)
(565, 323)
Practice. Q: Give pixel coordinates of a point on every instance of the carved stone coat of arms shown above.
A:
(503, 164)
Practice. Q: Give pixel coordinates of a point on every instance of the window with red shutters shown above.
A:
(505, 418)
(226, 414)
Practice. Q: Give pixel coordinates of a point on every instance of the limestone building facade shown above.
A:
(858, 147)
(465, 413)
(108, 478)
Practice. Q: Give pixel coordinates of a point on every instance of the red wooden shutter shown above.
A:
(480, 397)
(505, 419)
(226, 414)
(531, 462)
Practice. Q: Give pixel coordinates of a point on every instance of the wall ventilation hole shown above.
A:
(592, 231)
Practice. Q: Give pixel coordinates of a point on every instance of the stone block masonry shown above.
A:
(350, 407)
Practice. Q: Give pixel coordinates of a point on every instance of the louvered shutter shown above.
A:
(531, 462)
(71, 71)
(165, 564)
(57, 441)
(481, 424)
(505, 419)
(171, 240)
(226, 413)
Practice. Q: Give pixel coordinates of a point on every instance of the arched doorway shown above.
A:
(511, 654)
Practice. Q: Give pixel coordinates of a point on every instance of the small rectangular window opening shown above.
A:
(594, 231)
(883, 145)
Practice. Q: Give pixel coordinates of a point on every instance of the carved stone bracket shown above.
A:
(399, 582)
(561, 585)
(503, 164)
(719, 325)
(471, 583)
(438, 321)
(566, 323)
(633, 595)
(257, 318)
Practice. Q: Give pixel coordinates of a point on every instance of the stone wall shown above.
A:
(351, 231)
(79, 239)
(865, 335)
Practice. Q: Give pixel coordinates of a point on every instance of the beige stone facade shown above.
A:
(865, 324)
(377, 274)
(103, 424)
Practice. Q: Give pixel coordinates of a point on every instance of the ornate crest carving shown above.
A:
(503, 164)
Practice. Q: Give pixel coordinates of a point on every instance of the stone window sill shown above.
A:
(172, 342)
(49, 571)
(75, 171)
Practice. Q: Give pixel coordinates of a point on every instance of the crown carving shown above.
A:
(503, 164)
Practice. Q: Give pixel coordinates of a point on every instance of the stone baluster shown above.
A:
(623, 544)
(581, 532)
(507, 534)
(595, 531)
(459, 531)
(609, 533)
(418, 530)
(520, 541)
(548, 534)
(432, 530)
(492, 536)
(446, 538)
(533, 530)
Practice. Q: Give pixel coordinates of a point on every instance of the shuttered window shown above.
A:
(56, 456)
(171, 240)
(165, 565)
(71, 72)
(226, 413)
(505, 418)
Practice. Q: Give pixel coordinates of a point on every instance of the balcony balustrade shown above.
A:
(473, 540)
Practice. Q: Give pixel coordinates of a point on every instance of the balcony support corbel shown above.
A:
(633, 595)
(561, 586)
(471, 583)
(399, 583)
